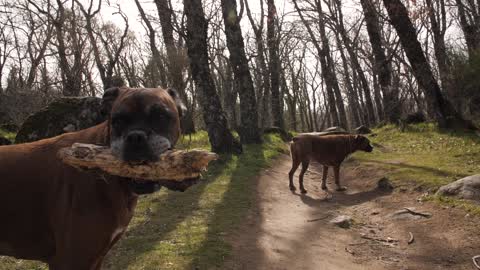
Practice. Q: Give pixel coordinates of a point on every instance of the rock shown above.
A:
(384, 184)
(62, 115)
(466, 188)
(286, 136)
(415, 118)
(4, 141)
(342, 221)
(363, 130)
(335, 129)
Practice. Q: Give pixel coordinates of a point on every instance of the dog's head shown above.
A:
(362, 143)
(143, 122)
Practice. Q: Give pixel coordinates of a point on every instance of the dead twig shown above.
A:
(411, 238)
(387, 242)
(358, 244)
(317, 219)
(427, 215)
(474, 259)
(349, 251)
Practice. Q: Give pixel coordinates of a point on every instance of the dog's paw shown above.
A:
(341, 188)
(292, 188)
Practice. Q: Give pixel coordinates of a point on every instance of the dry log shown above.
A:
(173, 165)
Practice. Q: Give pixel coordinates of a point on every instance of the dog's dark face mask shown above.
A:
(363, 143)
(144, 123)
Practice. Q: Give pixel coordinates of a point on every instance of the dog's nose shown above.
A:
(137, 137)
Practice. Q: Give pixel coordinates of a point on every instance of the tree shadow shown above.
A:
(416, 167)
(342, 198)
(163, 215)
(232, 212)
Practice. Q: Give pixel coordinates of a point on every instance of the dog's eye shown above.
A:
(119, 121)
(159, 114)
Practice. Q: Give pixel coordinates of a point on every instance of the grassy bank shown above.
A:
(425, 156)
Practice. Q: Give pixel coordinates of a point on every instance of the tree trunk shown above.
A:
(444, 113)
(274, 66)
(249, 132)
(326, 72)
(470, 28)
(175, 63)
(220, 137)
(438, 23)
(348, 82)
(156, 57)
(330, 72)
(382, 68)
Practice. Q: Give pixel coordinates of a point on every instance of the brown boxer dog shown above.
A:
(69, 218)
(328, 150)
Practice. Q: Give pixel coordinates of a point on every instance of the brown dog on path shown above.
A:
(69, 218)
(329, 150)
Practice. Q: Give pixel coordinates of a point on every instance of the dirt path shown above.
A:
(291, 231)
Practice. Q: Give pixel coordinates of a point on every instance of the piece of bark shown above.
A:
(173, 165)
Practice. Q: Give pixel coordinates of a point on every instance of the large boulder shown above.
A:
(4, 141)
(62, 115)
(466, 188)
(363, 130)
(335, 129)
(286, 136)
(415, 118)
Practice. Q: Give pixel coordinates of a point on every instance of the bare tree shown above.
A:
(155, 64)
(249, 132)
(220, 137)
(444, 113)
(274, 65)
(111, 49)
(382, 67)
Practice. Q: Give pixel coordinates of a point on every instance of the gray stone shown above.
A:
(384, 184)
(342, 221)
(363, 130)
(466, 188)
(62, 115)
(4, 141)
(335, 129)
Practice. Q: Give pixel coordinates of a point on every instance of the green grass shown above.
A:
(175, 230)
(425, 156)
(8, 135)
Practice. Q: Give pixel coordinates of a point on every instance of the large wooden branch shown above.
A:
(173, 165)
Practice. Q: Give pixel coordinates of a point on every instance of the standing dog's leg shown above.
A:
(295, 163)
(324, 177)
(305, 164)
(336, 171)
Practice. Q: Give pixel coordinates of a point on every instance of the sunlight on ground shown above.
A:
(173, 230)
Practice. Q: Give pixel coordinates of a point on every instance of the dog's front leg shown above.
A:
(336, 171)
(324, 177)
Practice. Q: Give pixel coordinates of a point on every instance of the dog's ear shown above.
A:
(180, 106)
(108, 98)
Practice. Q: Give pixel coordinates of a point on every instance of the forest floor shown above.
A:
(243, 216)
(289, 230)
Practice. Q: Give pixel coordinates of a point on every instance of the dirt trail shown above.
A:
(287, 230)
